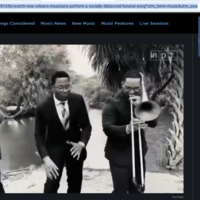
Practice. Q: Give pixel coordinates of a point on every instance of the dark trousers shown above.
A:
(122, 178)
(74, 171)
(1, 188)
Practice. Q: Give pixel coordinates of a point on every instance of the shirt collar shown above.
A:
(57, 102)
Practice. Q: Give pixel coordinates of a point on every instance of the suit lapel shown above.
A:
(70, 106)
(53, 111)
(123, 107)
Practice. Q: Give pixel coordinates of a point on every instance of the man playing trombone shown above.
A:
(123, 129)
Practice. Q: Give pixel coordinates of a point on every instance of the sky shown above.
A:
(79, 61)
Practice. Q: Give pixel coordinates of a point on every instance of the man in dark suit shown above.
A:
(62, 131)
(116, 125)
(1, 186)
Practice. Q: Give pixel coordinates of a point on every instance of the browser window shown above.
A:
(99, 99)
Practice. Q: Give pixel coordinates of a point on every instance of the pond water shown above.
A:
(19, 150)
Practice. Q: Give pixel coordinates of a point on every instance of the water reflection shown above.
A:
(19, 150)
(18, 144)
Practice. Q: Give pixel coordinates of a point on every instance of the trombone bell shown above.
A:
(147, 111)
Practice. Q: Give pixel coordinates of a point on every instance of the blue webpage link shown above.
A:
(99, 6)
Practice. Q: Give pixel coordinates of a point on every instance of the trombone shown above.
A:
(145, 111)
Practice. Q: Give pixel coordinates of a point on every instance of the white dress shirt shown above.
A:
(59, 109)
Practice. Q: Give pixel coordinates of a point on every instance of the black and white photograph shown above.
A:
(92, 118)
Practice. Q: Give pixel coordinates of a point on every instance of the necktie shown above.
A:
(65, 117)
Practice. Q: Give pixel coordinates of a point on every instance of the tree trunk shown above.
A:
(17, 114)
(164, 86)
(174, 148)
(19, 105)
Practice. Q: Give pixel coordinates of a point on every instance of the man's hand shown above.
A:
(50, 168)
(76, 149)
(136, 100)
(136, 123)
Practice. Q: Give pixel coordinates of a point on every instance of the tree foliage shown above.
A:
(26, 69)
(112, 61)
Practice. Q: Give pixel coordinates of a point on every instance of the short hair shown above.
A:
(132, 74)
(59, 74)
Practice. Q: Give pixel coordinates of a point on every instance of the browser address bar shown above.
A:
(94, 6)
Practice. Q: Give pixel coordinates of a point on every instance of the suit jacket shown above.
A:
(116, 115)
(49, 132)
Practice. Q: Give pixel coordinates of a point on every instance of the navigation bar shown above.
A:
(94, 23)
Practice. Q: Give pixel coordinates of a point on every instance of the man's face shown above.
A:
(62, 88)
(132, 86)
